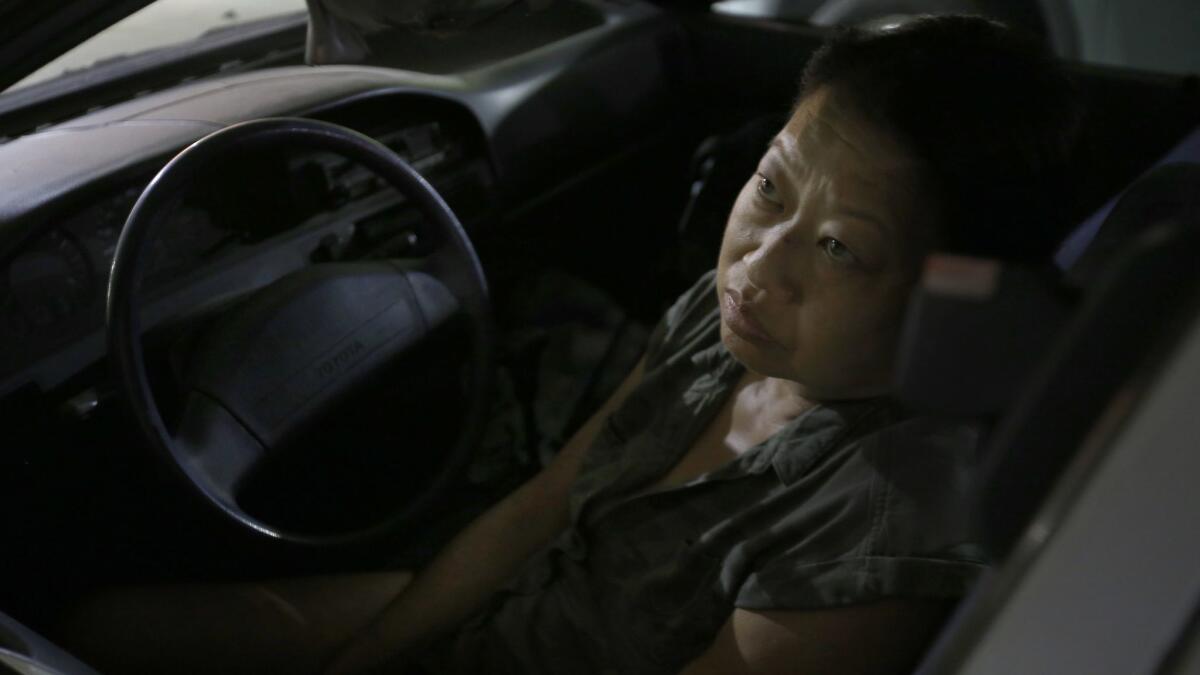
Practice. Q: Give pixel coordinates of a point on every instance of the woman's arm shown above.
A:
(881, 638)
(482, 557)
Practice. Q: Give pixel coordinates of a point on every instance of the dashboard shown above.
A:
(309, 207)
(513, 134)
(486, 139)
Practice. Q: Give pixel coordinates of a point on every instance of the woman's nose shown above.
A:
(773, 265)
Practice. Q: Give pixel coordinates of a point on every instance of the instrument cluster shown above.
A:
(52, 290)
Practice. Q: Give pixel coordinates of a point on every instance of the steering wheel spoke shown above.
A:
(437, 300)
(214, 443)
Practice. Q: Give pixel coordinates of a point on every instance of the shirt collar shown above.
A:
(803, 441)
(810, 437)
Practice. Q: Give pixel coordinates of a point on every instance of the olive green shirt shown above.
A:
(848, 503)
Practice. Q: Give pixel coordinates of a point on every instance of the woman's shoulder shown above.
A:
(919, 475)
(891, 497)
(926, 473)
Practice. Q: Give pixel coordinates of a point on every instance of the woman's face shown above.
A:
(820, 252)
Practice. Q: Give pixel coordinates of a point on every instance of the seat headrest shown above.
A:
(973, 331)
(967, 349)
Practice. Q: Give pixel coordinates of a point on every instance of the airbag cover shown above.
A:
(297, 345)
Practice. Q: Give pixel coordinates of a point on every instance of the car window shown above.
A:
(160, 24)
(1158, 36)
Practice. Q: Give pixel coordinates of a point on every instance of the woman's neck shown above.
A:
(776, 393)
(762, 406)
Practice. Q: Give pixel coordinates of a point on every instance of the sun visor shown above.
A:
(974, 330)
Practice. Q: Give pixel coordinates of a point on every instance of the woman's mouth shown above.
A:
(741, 321)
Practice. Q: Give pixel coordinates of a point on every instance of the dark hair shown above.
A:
(989, 114)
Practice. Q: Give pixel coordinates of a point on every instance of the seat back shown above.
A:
(1142, 286)
(1142, 278)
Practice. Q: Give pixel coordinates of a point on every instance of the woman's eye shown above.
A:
(836, 250)
(767, 189)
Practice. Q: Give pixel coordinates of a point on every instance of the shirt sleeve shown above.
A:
(895, 521)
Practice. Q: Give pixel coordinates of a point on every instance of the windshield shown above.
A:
(161, 24)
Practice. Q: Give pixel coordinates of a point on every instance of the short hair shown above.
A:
(988, 113)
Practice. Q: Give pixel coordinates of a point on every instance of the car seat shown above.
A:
(1133, 266)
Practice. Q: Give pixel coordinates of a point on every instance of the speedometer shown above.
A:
(50, 282)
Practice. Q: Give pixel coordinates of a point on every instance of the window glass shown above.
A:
(1163, 35)
(1154, 35)
(161, 24)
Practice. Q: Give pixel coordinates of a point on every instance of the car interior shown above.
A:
(177, 230)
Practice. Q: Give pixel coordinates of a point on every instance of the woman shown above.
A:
(749, 501)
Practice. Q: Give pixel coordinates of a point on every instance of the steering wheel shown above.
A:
(274, 364)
